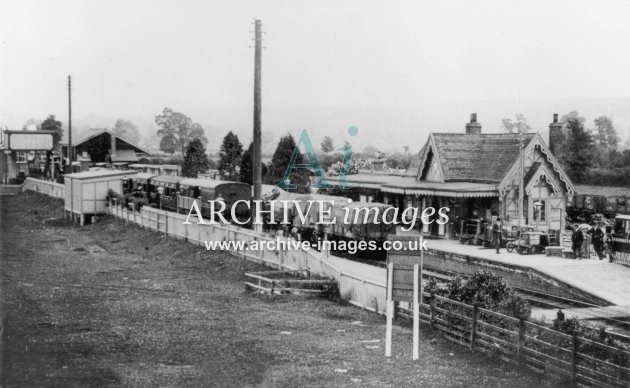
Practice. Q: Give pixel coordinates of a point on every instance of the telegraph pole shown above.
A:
(521, 189)
(70, 123)
(257, 159)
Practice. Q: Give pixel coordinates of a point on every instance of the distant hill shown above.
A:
(388, 128)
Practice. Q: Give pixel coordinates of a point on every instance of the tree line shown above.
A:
(589, 155)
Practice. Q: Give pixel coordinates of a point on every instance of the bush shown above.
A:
(486, 290)
(569, 326)
(115, 197)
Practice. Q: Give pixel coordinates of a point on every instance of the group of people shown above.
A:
(597, 237)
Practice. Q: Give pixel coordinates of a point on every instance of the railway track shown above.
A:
(535, 298)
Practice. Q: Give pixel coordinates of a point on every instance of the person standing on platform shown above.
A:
(497, 237)
(598, 241)
(577, 239)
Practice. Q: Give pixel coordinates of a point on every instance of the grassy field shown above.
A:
(112, 304)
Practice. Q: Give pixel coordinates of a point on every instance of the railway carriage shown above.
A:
(310, 227)
(141, 184)
(163, 190)
(204, 190)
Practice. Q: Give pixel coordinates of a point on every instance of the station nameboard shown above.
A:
(403, 261)
(30, 141)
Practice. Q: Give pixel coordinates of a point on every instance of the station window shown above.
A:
(21, 157)
(540, 211)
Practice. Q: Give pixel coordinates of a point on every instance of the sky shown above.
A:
(395, 69)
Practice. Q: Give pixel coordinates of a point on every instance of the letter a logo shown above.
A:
(313, 164)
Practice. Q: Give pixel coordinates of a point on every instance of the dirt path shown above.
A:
(112, 304)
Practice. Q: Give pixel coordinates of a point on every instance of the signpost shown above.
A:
(404, 284)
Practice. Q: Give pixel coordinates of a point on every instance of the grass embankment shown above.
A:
(112, 304)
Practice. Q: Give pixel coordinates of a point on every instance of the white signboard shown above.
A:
(30, 141)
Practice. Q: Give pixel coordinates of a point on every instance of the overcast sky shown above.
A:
(133, 58)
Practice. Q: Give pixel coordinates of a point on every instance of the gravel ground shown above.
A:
(113, 304)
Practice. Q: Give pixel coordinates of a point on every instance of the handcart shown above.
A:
(529, 242)
(472, 232)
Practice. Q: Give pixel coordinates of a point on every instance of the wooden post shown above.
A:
(416, 312)
(623, 362)
(574, 356)
(473, 326)
(389, 311)
(521, 340)
(257, 155)
(433, 310)
(364, 296)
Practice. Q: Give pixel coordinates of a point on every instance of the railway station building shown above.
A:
(103, 146)
(478, 176)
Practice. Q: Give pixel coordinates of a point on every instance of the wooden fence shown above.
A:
(52, 189)
(578, 359)
(581, 360)
(621, 248)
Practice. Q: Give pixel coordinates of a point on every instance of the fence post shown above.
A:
(282, 257)
(433, 310)
(574, 356)
(521, 340)
(473, 328)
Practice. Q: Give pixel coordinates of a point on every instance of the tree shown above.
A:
(230, 156)
(370, 151)
(280, 161)
(398, 160)
(571, 115)
(195, 159)
(32, 124)
(246, 173)
(606, 140)
(50, 124)
(168, 143)
(177, 130)
(127, 130)
(519, 126)
(327, 144)
(577, 155)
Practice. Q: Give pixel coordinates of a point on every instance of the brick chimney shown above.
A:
(473, 126)
(112, 150)
(556, 136)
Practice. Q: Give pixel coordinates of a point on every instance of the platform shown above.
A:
(606, 280)
(620, 313)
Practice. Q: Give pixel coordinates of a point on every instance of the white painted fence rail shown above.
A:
(354, 285)
(52, 189)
